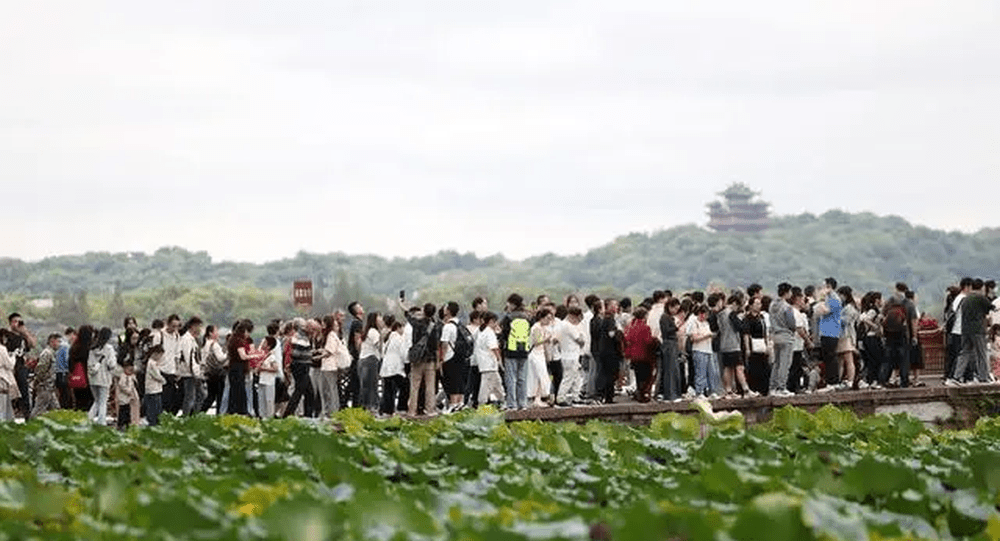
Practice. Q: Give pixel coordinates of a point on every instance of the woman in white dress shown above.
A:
(542, 342)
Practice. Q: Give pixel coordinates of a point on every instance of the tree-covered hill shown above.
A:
(862, 250)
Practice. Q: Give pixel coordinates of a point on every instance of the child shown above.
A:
(154, 385)
(125, 394)
(267, 375)
(487, 354)
(393, 372)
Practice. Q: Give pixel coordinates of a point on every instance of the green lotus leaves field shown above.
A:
(471, 476)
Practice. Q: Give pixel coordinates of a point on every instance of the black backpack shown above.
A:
(463, 342)
(425, 348)
(950, 315)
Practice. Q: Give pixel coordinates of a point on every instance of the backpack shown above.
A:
(463, 342)
(950, 316)
(519, 337)
(425, 349)
(213, 365)
(895, 325)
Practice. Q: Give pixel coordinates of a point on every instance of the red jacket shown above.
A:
(640, 346)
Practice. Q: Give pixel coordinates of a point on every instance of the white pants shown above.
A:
(490, 384)
(100, 407)
(539, 382)
(572, 382)
(265, 400)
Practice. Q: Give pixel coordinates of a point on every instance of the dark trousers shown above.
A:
(797, 371)
(897, 355)
(154, 405)
(63, 392)
(828, 349)
(216, 384)
(874, 357)
(556, 371)
(606, 378)
(82, 399)
(237, 390)
(669, 376)
(171, 394)
(643, 380)
(21, 373)
(303, 390)
(391, 387)
(758, 373)
(404, 393)
(124, 416)
(472, 389)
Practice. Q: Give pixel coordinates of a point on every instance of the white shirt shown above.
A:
(449, 333)
(269, 363)
(171, 351)
(653, 319)
(474, 331)
(395, 356)
(370, 346)
(187, 350)
(995, 314)
(957, 327)
(335, 347)
(568, 334)
(801, 322)
(587, 316)
(486, 342)
(693, 327)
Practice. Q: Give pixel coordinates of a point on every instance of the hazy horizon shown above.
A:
(254, 130)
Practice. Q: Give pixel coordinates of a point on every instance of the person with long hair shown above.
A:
(240, 353)
(216, 362)
(101, 361)
(847, 346)
(8, 384)
(755, 347)
(641, 349)
(79, 355)
(334, 355)
(301, 362)
(542, 342)
(670, 384)
(130, 354)
(392, 373)
(872, 350)
(369, 357)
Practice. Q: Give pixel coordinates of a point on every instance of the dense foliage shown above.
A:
(861, 250)
(471, 476)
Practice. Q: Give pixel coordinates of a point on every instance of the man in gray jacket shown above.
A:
(782, 332)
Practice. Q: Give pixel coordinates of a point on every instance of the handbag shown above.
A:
(758, 345)
(77, 377)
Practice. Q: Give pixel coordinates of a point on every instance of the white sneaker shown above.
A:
(690, 393)
(782, 393)
(950, 382)
(862, 385)
(827, 389)
(714, 396)
(752, 394)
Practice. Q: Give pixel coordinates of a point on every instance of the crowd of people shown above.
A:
(423, 360)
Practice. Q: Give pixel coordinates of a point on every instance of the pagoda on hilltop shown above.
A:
(739, 210)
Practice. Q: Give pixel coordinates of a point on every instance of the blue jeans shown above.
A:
(100, 407)
(515, 379)
(154, 405)
(700, 360)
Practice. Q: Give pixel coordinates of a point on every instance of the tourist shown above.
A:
(515, 339)
(755, 347)
(828, 310)
(240, 352)
(730, 355)
(267, 373)
(454, 368)
(591, 319)
(101, 360)
(847, 346)
(975, 309)
(872, 349)
(154, 385)
(570, 333)
(670, 383)
(301, 361)
(370, 355)
(45, 378)
(609, 337)
(641, 348)
(79, 352)
(699, 334)
(216, 362)
(800, 343)
(953, 326)
(487, 352)
(899, 328)
(474, 380)
(62, 369)
(423, 364)
(392, 372)
(354, 335)
(333, 357)
(8, 383)
(782, 319)
(189, 368)
(126, 394)
(542, 341)
(20, 341)
(171, 339)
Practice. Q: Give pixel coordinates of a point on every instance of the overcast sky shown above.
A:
(256, 129)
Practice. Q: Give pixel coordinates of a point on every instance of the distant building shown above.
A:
(738, 210)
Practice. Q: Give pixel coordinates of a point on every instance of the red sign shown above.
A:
(302, 293)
